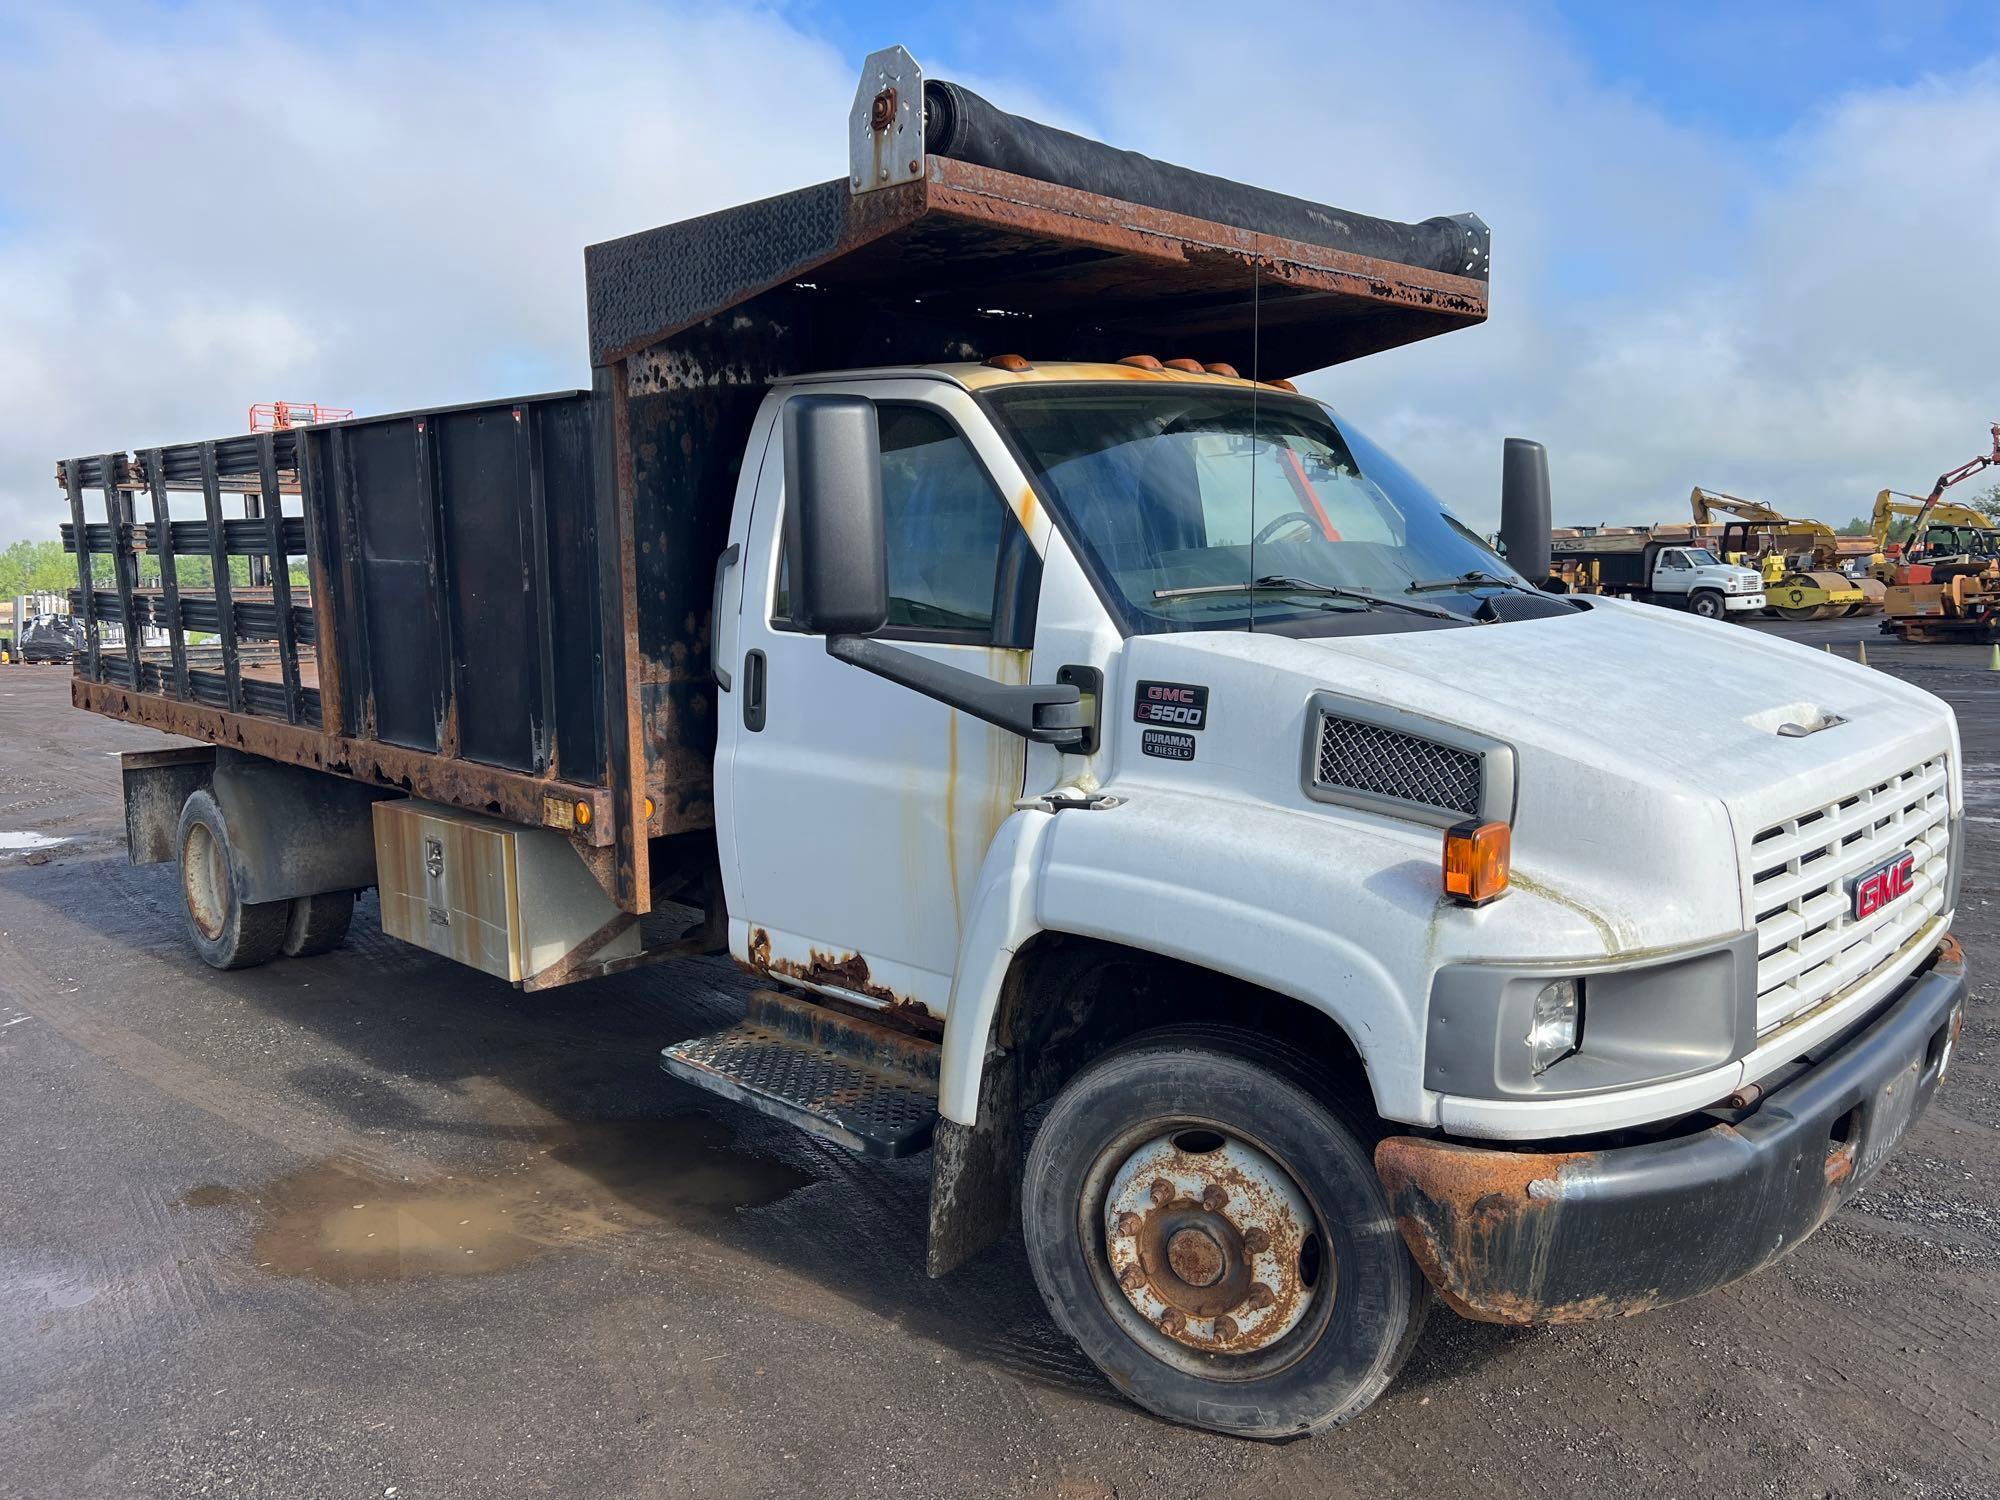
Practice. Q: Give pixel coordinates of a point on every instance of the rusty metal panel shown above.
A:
(687, 447)
(536, 801)
(914, 272)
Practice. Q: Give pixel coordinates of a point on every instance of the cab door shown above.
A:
(858, 812)
(1671, 575)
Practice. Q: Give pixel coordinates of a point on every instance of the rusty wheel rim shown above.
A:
(205, 880)
(1208, 1250)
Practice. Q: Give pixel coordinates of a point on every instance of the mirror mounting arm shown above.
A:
(1048, 713)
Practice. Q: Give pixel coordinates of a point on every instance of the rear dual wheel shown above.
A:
(317, 924)
(1209, 1227)
(229, 932)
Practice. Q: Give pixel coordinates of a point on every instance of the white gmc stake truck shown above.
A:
(1057, 728)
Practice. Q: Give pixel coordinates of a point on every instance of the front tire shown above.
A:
(227, 932)
(1707, 604)
(1211, 1230)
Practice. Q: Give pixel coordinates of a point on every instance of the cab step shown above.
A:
(870, 1087)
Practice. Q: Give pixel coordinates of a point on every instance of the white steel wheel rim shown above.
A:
(1216, 1248)
(205, 880)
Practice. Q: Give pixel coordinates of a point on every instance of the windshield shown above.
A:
(1700, 557)
(1182, 498)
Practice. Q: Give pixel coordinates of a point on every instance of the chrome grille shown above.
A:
(1380, 762)
(1808, 947)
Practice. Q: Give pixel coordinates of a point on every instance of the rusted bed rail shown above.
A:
(419, 610)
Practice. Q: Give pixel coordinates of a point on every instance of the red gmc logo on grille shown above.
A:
(1871, 890)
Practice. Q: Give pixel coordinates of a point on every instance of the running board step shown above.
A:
(867, 1086)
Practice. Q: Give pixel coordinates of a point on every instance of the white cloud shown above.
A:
(262, 212)
(394, 216)
(1804, 321)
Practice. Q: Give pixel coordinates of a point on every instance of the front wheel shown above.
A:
(1707, 604)
(1213, 1234)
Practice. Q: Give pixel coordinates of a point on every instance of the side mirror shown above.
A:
(1524, 508)
(839, 558)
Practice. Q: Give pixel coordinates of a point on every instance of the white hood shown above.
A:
(1643, 737)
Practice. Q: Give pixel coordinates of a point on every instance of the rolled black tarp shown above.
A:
(960, 124)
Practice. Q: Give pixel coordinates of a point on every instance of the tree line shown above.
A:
(43, 567)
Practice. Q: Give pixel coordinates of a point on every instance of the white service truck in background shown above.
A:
(1671, 571)
(1072, 735)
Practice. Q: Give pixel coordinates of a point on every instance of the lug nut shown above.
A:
(1214, 1199)
(1128, 1223)
(1259, 1296)
(1132, 1277)
(1225, 1328)
(1162, 1190)
(1173, 1321)
(1256, 1240)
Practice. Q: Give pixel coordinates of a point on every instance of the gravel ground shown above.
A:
(371, 1225)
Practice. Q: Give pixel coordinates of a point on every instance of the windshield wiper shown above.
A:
(1475, 579)
(1275, 583)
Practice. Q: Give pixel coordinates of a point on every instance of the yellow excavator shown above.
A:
(1950, 530)
(1799, 557)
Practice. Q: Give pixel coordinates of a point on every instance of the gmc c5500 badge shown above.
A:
(1171, 705)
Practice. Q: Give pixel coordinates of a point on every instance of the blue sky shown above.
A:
(1735, 245)
(1748, 70)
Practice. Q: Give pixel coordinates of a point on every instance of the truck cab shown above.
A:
(1119, 776)
(1332, 776)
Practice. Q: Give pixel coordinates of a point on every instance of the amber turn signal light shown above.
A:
(1476, 859)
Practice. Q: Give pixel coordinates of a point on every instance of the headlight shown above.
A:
(1553, 1029)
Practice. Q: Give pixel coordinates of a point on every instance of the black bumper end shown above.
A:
(1560, 1237)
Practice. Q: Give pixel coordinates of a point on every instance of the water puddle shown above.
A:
(12, 841)
(570, 1185)
(58, 1290)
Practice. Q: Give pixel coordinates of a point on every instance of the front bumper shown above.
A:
(1734, 603)
(1564, 1236)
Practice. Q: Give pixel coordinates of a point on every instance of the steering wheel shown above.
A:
(1270, 528)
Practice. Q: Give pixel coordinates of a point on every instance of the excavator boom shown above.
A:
(1951, 477)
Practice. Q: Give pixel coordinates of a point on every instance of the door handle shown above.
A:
(722, 566)
(753, 691)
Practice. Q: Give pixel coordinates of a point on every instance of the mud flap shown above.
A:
(976, 1171)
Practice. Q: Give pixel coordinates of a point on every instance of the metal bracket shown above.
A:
(1089, 683)
(1068, 798)
(885, 129)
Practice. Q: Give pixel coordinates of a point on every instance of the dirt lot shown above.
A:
(371, 1225)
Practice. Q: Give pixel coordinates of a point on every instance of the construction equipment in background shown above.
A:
(1798, 557)
(1950, 477)
(1944, 582)
(276, 415)
(1665, 565)
(281, 416)
(1950, 531)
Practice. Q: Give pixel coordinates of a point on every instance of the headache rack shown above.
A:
(505, 607)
